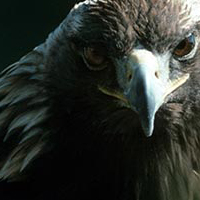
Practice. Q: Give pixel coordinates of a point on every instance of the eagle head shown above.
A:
(133, 55)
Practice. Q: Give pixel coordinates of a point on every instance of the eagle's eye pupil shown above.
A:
(93, 57)
(185, 46)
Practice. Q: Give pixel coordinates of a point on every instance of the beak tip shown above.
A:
(148, 133)
(148, 127)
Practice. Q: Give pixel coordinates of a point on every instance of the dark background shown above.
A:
(26, 24)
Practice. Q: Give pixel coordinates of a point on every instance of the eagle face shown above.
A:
(139, 53)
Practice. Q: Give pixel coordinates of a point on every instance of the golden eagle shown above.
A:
(107, 108)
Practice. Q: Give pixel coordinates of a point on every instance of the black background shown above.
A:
(26, 24)
(23, 26)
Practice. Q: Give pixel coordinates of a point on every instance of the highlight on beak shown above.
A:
(145, 87)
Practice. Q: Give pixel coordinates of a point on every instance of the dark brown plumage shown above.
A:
(107, 107)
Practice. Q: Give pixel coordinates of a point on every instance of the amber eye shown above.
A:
(185, 48)
(94, 59)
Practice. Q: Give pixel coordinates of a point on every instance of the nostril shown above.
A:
(156, 74)
(130, 76)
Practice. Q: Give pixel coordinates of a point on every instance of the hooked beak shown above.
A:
(146, 86)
